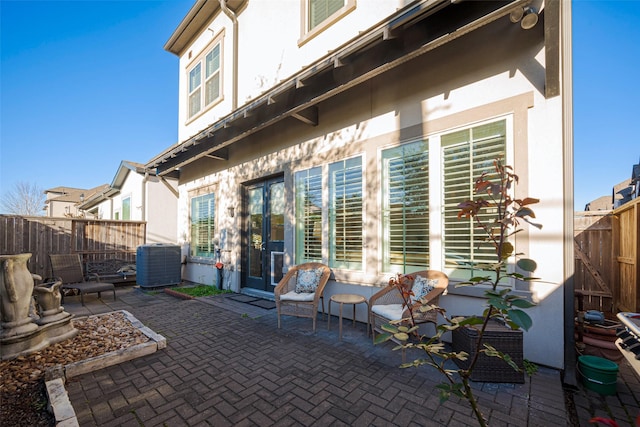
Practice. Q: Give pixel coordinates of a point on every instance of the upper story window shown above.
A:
(320, 14)
(204, 79)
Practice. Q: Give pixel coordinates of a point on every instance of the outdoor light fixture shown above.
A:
(516, 15)
(527, 16)
(530, 18)
(231, 211)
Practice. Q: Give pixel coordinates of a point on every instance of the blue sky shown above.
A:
(86, 84)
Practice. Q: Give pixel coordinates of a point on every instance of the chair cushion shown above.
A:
(297, 296)
(421, 287)
(307, 280)
(388, 311)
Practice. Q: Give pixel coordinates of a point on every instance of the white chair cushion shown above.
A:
(388, 311)
(297, 296)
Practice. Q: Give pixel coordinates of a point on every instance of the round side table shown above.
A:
(347, 299)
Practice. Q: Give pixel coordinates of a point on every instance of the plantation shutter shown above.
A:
(345, 214)
(319, 10)
(466, 155)
(202, 226)
(309, 215)
(405, 204)
(195, 80)
(212, 75)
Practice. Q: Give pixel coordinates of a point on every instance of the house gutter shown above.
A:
(145, 179)
(234, 82)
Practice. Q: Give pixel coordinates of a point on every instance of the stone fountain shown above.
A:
(22, 330)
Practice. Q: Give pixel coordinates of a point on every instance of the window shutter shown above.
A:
(345, 214)
(466, 155)
(195, 80)
(405, 205)
(202, 226)
(319, 10)
(309, 215)
(212, 75)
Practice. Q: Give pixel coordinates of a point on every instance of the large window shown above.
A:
(202, 225)
(309, 215)
(405, 208)
(466, 154)
(204, 81)
(345, 214)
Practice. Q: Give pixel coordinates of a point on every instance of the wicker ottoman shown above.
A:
(491, 369)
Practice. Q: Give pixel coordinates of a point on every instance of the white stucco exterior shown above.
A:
(497, 72)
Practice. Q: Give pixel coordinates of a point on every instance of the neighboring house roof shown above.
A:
(72, 195)
(116, 185)
(602, 203)
(123, 171)
(425, 25)
(619, 190)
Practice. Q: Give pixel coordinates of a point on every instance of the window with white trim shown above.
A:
(204, 81)
(202, 226)
(466, 154)
(345, 214)
(309, 215)
(405, 208)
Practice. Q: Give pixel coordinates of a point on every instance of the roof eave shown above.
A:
(193, 23)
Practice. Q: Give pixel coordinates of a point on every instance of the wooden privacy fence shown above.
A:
(93, 239)
(607, 258)
(594, 267)
(627, 256)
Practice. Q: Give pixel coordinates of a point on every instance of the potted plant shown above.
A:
(493, 193)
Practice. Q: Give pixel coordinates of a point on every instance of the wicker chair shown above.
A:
(387, 304)
(300, 304)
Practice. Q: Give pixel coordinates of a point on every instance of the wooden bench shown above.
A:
(112, 270)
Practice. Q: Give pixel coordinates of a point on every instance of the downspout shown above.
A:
(234, 83)
(569, 377)
(144, 195)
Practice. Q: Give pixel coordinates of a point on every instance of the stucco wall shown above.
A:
(161, 210)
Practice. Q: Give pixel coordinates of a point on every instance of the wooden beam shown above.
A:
(552, 48)
(308, 116)
(221, 154)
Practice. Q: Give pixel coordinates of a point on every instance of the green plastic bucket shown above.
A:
(598, 374)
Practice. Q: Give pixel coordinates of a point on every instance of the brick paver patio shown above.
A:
(226, 363)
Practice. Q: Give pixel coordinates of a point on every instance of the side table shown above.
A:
(347, 299)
